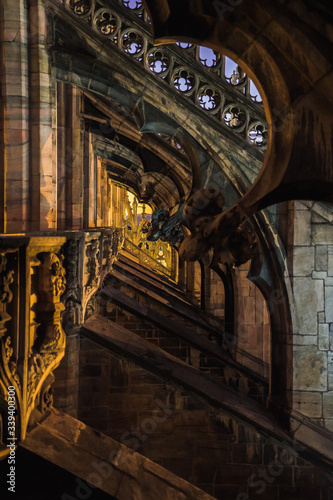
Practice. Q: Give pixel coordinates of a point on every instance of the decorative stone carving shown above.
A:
(204, 203)
(193, 79)
(32, 350)
(91, 267)
(72, 263)
(6, 278)
(81, 8)
(88, 259)
(232, 241)
(106, 23)
(72, 299)
(92, 263)
(164, 227)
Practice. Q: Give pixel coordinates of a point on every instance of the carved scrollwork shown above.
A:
(72, 299)
(92, 263)
(57, 276)
(10, 364)
(72, 262)
(38, 365)
(6, 295)
(90, 309)
(30, 354)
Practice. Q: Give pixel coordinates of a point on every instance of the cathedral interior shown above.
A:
(166, 249)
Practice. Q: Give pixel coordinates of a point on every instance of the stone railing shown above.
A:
(47, 285)
(183, 67)
(146, 258)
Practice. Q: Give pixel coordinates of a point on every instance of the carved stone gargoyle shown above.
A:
(166, 228)
(233, 241)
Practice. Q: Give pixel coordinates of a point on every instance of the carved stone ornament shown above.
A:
(190, 77)
(232, 241)
(6, 278)
(165, 228)
(92, 263)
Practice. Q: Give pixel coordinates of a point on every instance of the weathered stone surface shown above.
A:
(309, 299)
(308, 403)
(321, 317)
(323, 211)
(330, 260)
(310, 369)
(322, 234)
(329, 303)
(305, 340)
(321, 258)
(104, 462)
(302, 229)
(323, 337)
(319, 275)
(328, 404)
(330, 370)
(303, 260)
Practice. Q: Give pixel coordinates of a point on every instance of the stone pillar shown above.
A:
(103, 195)
(74, 159)
(89, 166)
(61, 155)
(14, 117)
(109, 223)
(99, 200)
(42, 88)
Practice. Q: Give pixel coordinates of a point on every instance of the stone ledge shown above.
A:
(104, 463)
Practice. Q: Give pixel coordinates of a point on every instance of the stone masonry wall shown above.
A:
(313, 295)
(181, 432)
(66, 385)
(252, 321)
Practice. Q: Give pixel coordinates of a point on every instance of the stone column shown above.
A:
(98, 193)
(61, 155)
(89, 179)
(42, 92)
(109, 223)
(14, 117)
(74, 159)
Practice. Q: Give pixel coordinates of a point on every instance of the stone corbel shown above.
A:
(72, 299)
(91, 257)
(32, 340)
(9, 376)
(45, 344)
